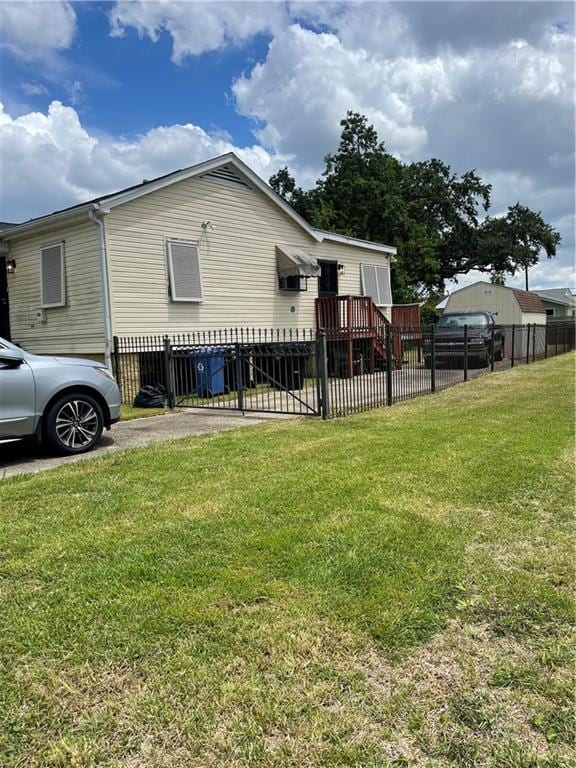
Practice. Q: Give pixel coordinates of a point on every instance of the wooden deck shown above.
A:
(356, 330)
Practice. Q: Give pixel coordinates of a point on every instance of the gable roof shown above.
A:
(558, 296)
(230, 162)
(528, 301)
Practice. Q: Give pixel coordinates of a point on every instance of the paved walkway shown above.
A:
(18, 458)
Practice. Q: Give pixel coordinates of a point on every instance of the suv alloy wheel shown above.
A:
(74, 423)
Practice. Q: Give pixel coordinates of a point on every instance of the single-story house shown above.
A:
(559, 303)
(210, 246)
(512, 305)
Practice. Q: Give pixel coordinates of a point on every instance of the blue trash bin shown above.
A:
(208, 364)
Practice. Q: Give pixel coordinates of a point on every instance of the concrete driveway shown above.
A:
(18, 458)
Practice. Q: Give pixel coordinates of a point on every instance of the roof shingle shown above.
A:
(560, 295)
(529, 302)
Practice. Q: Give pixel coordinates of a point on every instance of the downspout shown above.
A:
(105, 292)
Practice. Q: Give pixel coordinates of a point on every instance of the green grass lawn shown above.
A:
(128, 412)
(389, 589)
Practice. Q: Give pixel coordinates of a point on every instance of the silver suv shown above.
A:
(63, 401)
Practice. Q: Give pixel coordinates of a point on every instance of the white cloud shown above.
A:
(197, 27)
(430, 28)
(377, 58)
(488, 90)
(540, 73)
(327, 78)
(51, 161)
(31, 30)
(377, 27)
(308, 82)
(33, 89)
(509, 188)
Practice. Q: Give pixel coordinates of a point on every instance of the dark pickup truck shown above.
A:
(451, 330)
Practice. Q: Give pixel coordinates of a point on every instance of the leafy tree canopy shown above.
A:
(436, 218)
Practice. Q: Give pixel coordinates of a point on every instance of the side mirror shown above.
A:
(11, 358)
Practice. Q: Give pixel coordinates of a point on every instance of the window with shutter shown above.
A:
(369, 282)
(376, 284)
(184, 271)
(52, 275)
(384, 288)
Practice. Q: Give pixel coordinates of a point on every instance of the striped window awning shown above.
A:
(292, 262)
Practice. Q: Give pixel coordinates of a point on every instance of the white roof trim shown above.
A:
(479, 282)
(206, 167)
(549, 299)
(47, 222)
(105, 203)
(356, 242)
(444, 302)
(555, 300)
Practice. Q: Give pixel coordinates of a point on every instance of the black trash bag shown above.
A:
(150, 396)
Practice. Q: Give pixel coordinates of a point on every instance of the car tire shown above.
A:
(73, 424)
(499, 355)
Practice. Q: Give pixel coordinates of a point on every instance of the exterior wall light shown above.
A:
(341, 269)
(11, 266)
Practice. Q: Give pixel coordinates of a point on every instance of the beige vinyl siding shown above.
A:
(237, 260)
(534, 317)
(77, 327)
(487, 298)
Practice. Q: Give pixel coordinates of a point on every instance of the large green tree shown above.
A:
(436, 218)
(517, 240)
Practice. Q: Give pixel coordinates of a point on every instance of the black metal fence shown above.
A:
(308, 373)
(246, 369)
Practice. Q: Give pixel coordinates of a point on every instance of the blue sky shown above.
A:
(97, 96)
(130, 84)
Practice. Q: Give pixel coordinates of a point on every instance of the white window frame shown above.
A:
(378, 303)
(62, 302)
(171, 281)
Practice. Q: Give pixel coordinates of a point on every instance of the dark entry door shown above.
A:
(4, 308)
(328, 280)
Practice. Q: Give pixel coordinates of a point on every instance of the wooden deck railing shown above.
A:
(341, 316)
(350, 318)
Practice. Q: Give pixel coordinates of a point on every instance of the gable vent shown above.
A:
(226, 175)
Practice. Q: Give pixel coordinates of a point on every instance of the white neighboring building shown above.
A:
(510, 305)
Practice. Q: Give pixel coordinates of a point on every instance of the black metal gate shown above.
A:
(275, 377)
